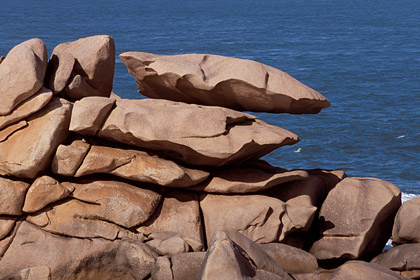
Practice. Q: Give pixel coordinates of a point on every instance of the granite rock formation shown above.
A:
(93, 186)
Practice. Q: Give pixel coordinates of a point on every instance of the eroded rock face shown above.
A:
(84, 67)
(29, 151)
(138, 166)
(403, 259)
(291, 259)
(43, 191)
(225, 259)
(68, 158)
(179, 212)
(249, 177)
(27, 108)
(364, 271)
(75, 258)
(214, 80)
(197, 135)
(12, 196)
(407, 223)
(6, 225)
(356, 220)
(261, 218)
(22, 73)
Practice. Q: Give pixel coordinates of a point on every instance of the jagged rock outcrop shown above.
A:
(215, 80)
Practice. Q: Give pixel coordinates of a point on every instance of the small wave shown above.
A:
(298, 150)
(408, 196)
(401, 136)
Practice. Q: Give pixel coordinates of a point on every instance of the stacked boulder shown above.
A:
(93, 186)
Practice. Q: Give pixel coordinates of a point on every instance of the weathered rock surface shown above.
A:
(32, 273)
(84, 67)
(249, 177)
(71, 218)
(215, 80)
(22, 74)
(68, 158)
(291, 259)
(403, 259)
(27, 108)
(261, 218)
(6, 132)
(117, 202)
(170, 243)
(227, 260)
(12, 196)
(43, 191)
(6, 225)
(364, 271)
(75, 258)
(90, 113)
(356, 220)
(181, 271)
(179, 212)
(407, 223)
(29, 151)
(197, 135)
(138, 166)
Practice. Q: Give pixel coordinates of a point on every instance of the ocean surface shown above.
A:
(364, 56)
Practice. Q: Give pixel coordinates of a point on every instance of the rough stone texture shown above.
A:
(32, 273)
(309, 191)
(68, 158)
(197, 135)
(27, 108)
(179, 212)
(258, 256)
(59, 71)
(407, 223)
(356, 220)
(249, 177)
(403, 259)
(22, 73)
(93, 68)
(75, 258)
(90, 113)
(364, 271)
(227, 260)
(12, 196)
(291, 259)
(6, 132)
(215, 80)
(320, 274)
(181, 271)
(70, 218)
(138, 166)
(261, 218)
(43, 191)
(6, 225)
(117, 202)
(168, 243)
(29, 151)
(162, 269)
(6, 241)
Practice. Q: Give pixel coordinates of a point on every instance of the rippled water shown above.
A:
(364, 56)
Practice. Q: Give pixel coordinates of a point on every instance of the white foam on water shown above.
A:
(408, 196)
(298, 150)
(401, 136)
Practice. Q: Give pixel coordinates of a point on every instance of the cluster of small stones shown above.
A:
(93, 186)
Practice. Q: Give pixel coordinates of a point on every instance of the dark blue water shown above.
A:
(364, 56)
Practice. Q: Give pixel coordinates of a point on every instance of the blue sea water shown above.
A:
(364, 56)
